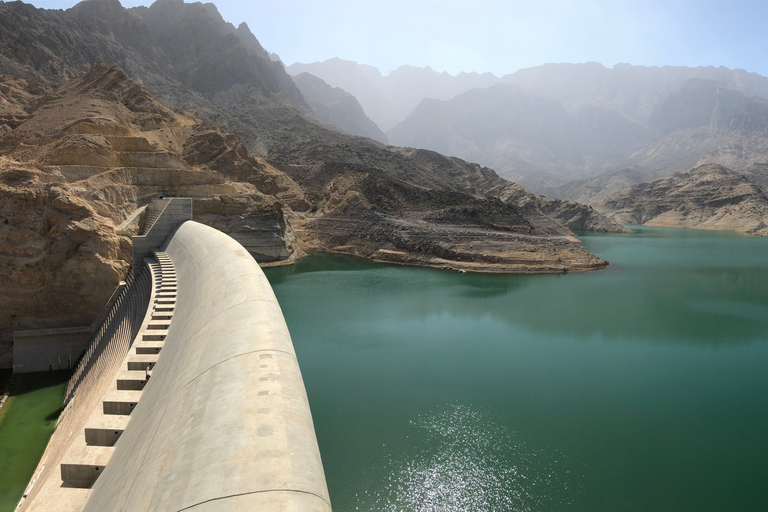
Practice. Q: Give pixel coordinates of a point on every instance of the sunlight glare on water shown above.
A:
(472, 463)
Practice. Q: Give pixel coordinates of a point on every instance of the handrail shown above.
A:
(116, 333)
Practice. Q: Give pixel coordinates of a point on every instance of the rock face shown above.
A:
(494, 127)
(599, 188)
(707, 197)
(76, 161)
(337, 108)
(364, 212)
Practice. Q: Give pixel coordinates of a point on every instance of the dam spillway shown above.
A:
(222, 422)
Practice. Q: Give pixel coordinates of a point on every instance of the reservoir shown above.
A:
(640, 387)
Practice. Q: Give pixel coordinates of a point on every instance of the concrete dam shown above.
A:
(189, 397)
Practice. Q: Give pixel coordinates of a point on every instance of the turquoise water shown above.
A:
(26, 423)
(642, 387)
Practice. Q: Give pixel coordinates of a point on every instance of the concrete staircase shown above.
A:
(92, 450)
(163, 216)
(152, 215)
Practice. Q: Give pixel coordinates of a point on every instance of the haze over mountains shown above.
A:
(389, 99)
(554, 124)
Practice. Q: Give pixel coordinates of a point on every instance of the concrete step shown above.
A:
(154, 335)
(166, 308)
(83, 464)
(156, 325)
(104, 429)
(148, 347)
(132, 380)
(119, 401)
(162, 315)
(142, 362)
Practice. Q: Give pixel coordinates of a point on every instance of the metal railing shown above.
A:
(113, 338)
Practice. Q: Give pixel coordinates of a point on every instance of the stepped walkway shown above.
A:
(206, 408)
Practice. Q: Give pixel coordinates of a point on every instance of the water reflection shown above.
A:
(649, 293)
(483, 286)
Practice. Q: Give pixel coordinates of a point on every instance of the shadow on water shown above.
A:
(54, 415)
(321, 262)
(5, 375)
(30, 382)
(473, 285)
(484, 286)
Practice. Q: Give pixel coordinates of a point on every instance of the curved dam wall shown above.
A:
(223, 423)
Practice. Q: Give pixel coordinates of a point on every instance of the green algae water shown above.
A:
(636, 388)
(26, 423)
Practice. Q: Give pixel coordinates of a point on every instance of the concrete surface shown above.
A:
(41, 350)
(224, 422)
(70, 459)
(175, 210)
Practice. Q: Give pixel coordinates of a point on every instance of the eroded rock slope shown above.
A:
(707, 197)
(74, 162)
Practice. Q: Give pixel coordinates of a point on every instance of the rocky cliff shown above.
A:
(707, 197)
(599, 188)
(337, 108)
(75, 161)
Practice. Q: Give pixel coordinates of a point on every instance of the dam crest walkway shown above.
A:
(205, 410)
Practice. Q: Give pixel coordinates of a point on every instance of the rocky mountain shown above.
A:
(388, 99)
(337, 108)
(83, 145)
(707, 197)
(634, 91)
(76, 160)
(705, 122)
(586, 120)
(504, 127)
(599, 188)
(188, 57)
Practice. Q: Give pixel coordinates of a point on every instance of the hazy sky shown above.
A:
(503, 36)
